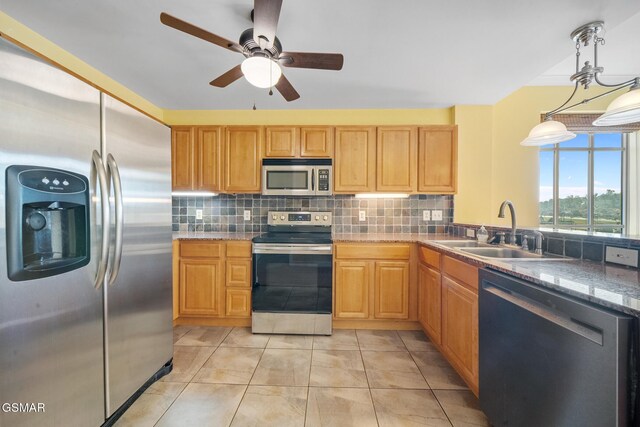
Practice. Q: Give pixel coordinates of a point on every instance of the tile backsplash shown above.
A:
(224, 213)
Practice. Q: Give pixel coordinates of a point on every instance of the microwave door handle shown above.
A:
(313, 179)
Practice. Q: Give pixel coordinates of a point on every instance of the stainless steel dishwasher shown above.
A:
(549, 360)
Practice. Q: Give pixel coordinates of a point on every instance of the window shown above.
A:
(582, 183)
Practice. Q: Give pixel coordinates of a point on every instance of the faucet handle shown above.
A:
(502, 237)
(525, 245)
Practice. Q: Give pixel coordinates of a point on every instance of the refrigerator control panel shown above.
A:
(48, 217)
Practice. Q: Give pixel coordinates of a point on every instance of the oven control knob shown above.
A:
(274, 217)
(325, 217)
(282, 217)
(317, 217)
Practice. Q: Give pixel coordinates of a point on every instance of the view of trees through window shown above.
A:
(581, 183)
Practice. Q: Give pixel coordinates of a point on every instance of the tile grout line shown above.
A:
(366, 375)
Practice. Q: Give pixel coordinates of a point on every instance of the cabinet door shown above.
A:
(460, 329)
(238, 273)
(397, 167)
(391, 290)
(438, 159)
(182, 158)
(238, 303)
(208, 158)
(316, 141)
(355, 160)
(201, 284)
(242, 159)
(430, 303)
(281, 142)
(352, 282)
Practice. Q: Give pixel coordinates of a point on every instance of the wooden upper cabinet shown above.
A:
(182, 158)
(243, 159)
(354, 167)
(209, 151)
(316, 141)
(281, 141)
(438, 159)
(397, 168)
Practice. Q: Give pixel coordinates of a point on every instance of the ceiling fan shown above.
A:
(262, 50)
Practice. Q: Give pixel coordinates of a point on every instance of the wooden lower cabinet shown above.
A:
(429, 306)
(351, 293)
(238, 303)
(238, 273)
(201, 287)
(391, 290)
(460, 329)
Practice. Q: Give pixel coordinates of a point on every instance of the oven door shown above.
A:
(288, 180)
(292, 278)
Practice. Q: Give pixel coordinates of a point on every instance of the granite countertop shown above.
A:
(603, 284)
(212, 235)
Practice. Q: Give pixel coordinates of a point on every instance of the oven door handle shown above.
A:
(294, 250)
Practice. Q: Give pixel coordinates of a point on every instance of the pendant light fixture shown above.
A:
(623, 110)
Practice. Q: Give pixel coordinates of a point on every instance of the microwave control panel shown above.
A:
(323, 179)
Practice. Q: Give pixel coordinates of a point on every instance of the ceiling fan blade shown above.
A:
(320, 61)
(286, 89)
(265, 21)
(227, 78)
(188, 28)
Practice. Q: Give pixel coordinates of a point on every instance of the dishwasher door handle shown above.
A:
(583, 329)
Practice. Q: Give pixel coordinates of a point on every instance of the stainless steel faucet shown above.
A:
(512, 209)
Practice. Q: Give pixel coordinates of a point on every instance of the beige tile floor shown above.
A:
(230, 377)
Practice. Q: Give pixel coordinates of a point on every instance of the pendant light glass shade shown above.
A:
(623, 110)
(548, 132)
(260, 71)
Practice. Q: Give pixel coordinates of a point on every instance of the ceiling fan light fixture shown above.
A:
(261, 71)
(548, 132)
(622, 110)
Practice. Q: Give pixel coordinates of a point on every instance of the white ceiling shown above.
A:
(398, 54)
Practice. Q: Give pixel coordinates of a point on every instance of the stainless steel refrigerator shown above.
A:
(85, 247)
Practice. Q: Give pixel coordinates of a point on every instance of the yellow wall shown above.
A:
(309, 117)
(29, 39)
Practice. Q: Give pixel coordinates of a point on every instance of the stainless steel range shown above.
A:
(292, 275)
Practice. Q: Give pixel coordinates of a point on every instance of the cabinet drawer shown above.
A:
(239, 273)
(429, 256)
(372, 251)
(463, 272)
(239, 249)
(197, 249)
(238, 303)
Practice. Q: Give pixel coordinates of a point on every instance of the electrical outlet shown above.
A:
(436, 215)
(622, 256)
(471, 233)
(362, 216)
(426, 215)
(198, 213)
(247, 215)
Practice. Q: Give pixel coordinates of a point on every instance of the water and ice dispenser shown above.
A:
(47, 222)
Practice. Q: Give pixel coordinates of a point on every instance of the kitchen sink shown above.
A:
(460, 243)
(510, 254)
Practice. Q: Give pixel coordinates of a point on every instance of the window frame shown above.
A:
(590, 149)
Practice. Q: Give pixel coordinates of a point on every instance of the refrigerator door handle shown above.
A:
(113, 175)
(97, 168)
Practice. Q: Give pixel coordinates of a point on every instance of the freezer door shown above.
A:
(139, 301)
(50, 328)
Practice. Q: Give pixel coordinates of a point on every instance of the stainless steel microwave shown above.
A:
(297, 177)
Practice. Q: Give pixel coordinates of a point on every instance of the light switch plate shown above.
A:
(471, 233)
(436, 215)
(362, 215)
(622, 256)
(247, 215)
(426, 215)
(198, 213)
